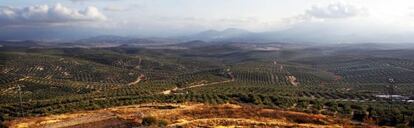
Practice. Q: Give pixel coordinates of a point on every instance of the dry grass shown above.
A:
(186, 115)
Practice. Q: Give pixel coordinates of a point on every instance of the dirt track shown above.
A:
(167, 92)
(137, 81)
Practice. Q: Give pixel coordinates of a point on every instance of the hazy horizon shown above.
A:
(296, 20)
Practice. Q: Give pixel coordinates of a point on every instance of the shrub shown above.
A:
(162, 123)
(359, 116)
(148, 121)
(401, 126)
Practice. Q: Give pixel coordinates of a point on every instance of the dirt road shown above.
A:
(167, 92)
(138, 80)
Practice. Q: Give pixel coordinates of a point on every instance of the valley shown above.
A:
(206, 64)
(66, 86)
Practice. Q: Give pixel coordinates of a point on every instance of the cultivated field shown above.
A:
(365, 85)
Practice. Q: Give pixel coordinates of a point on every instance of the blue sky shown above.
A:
(180, 17)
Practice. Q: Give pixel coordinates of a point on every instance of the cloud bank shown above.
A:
(44, 14)
(334, 11)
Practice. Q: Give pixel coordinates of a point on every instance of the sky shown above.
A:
(350, 20)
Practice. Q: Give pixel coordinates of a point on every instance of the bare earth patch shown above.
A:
(186, 115)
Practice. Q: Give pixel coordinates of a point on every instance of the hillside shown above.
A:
(365, 86)
(184, 115)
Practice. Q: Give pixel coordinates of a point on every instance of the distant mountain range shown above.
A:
(215, 35)
(314, 33)
(317, 33)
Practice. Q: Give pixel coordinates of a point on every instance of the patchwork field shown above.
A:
(369, 87)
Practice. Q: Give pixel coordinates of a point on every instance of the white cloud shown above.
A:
(44, 14)
(83, 1)
(334, 11)
(78, 0)
(411, 12)
(113, 9)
